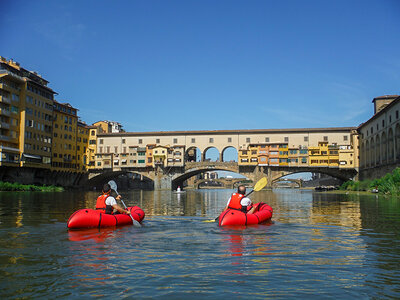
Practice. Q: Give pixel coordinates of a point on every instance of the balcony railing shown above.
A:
(4, 112)
(4, 138)
(5, 100)
(15, 76)
(4, 125)
(5, 148)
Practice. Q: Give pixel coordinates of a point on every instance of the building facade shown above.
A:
(36, 131)
(380, 138)
(109, 126)
(319, 147)
(26, 108)
(65, 128)
(82, 142)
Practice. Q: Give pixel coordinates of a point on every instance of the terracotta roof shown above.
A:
(237, 131)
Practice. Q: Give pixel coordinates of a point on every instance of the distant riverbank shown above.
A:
(345, 192)
(7, 186)
(389, 184)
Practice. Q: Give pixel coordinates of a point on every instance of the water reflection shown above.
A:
(329, 209)
(98, 235)
(322, 244)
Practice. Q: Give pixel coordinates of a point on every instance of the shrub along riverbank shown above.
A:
(7, 186)
(389, 184)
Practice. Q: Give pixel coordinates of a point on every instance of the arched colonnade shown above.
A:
(381, 148)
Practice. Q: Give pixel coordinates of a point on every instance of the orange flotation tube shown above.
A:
(90, 218)
(262, 214)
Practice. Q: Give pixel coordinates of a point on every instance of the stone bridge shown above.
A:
(299, 182)
(171, 178)
(228, 183)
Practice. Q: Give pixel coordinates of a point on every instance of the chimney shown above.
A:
(382, 101)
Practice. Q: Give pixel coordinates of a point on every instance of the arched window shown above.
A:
(211, 154)
(397, 143)
(383, 147)
(372, 152)
(390, 145)
(378, 150)
(230, 154)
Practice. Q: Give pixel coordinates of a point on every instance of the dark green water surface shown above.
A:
(319, 246)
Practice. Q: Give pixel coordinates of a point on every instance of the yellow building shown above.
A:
(348, 154)
(253, 155)
(149, 155)
(108, 126)
(243, 157)
(248, 156)
(11, 91)
(318, 155)
(333, 155)
(324, 155)
(346, 157)
(175, 156)
(26, 116)
(64, 137)
(82, 142)
(283, 154)
(160, 154)
(91, 149)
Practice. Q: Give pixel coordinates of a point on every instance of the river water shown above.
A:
(319, 245)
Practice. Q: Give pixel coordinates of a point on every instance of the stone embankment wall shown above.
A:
(377, 172)
(42, 177)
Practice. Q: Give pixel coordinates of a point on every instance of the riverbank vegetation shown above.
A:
(7, 186)
(389, 184)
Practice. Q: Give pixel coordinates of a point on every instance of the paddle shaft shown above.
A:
(248, 194)
(134, 222)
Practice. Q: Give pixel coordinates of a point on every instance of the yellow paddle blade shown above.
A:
(208, 221)
(260, 184)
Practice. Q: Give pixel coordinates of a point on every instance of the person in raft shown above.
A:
(108, 203)
(239, 201)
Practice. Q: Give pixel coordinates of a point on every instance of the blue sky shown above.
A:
(192, 65)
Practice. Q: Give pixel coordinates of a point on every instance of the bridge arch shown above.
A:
(203, 182)
(229, 153)
(297, 181)
(212, 154)
(229, 183)
(178, 179)
(335, 173)
(193, 154)
(97, 180)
